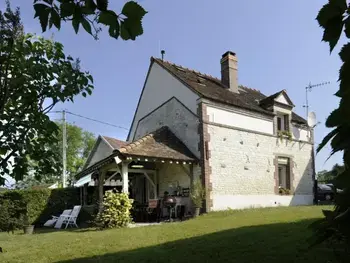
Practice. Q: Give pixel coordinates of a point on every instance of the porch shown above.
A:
(157, 164)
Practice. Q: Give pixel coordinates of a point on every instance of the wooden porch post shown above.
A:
(101, 178)
(125, 177)
(85, 193)
(81, 189)
(191, 176)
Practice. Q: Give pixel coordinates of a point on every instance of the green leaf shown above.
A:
(90, 78)
(75, 23)
(334, 119)
(347, 27)
(326, 139)
(89, 8)
(332, 31)
(86, 25)
(3, 151)
(55, 19)
(84, 94)
(345, 53)
(108, 18)
(39, 9)
(332, 9)
(130, 29)
(42, 11)
(131, 26)
(102, 5)
(114, 30)
(67, 9)
(133, 11)
(330, 18)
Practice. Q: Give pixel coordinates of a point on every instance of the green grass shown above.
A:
(258, 235)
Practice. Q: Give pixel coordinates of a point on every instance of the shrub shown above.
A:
(116, 210)
(197, 193)
(11, 217)
(36, 206)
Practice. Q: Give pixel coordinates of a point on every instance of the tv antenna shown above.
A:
(309, 89)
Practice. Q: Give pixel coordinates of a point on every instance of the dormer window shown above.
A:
(282, 122)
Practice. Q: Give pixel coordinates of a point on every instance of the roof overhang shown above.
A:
(118, 157)
(83, 180)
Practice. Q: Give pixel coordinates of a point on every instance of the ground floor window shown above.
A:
(284, 178)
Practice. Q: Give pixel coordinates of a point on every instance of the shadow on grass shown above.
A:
(265, 243)
(48, 230)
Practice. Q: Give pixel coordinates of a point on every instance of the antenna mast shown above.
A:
(308, 89)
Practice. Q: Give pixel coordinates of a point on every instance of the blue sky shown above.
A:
(278, 44)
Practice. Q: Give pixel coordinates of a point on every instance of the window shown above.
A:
(283, 122)
(284, 180)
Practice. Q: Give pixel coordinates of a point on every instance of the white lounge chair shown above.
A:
(72, 218)
(54, 219)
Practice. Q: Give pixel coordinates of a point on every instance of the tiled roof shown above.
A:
(162, 144)
(115, 143)
(211, 88)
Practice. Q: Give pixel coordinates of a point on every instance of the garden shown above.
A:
(252, 235)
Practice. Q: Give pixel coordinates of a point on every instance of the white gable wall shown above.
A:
(103, 150)
(160, 87)
(282, 99)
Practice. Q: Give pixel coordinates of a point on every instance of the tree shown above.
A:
(329, 176)
(79, 146)
(35, 75)
(90, 14)
(334, 19)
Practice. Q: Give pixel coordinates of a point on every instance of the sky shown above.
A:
(278, 45)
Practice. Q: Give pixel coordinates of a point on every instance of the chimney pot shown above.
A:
(229, 68)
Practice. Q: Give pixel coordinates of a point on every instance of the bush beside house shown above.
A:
(38, 205)
(116, 210)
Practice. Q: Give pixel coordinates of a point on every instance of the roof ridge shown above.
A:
(211, 77)
(190, 69)
(142, 139)
(112, 138)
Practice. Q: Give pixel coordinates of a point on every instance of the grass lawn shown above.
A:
(258, 235)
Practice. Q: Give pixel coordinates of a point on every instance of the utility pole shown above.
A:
(64, 148)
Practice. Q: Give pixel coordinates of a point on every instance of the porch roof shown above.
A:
(160, 145)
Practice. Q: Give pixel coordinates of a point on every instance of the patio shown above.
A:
(148, 168)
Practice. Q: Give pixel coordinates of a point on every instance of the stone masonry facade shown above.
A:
(244, 163)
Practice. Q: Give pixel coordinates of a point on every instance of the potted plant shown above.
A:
(283, 191)
(197, 195)
(28, 228)
(285, 134)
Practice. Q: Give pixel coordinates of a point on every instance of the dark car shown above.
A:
(325, 192)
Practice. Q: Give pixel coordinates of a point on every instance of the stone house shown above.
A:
(249, 149)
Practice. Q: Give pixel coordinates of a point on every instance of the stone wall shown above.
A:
(242, 169)
(172, 174)
(181, 121)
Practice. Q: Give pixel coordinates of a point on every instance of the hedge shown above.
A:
(40, 205)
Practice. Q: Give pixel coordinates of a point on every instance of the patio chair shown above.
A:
(72, 218)
(54, 219)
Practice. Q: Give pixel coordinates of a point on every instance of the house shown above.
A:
(249, 149)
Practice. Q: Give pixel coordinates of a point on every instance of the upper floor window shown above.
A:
(282, 122)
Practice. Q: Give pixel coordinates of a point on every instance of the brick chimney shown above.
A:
(229, 72)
